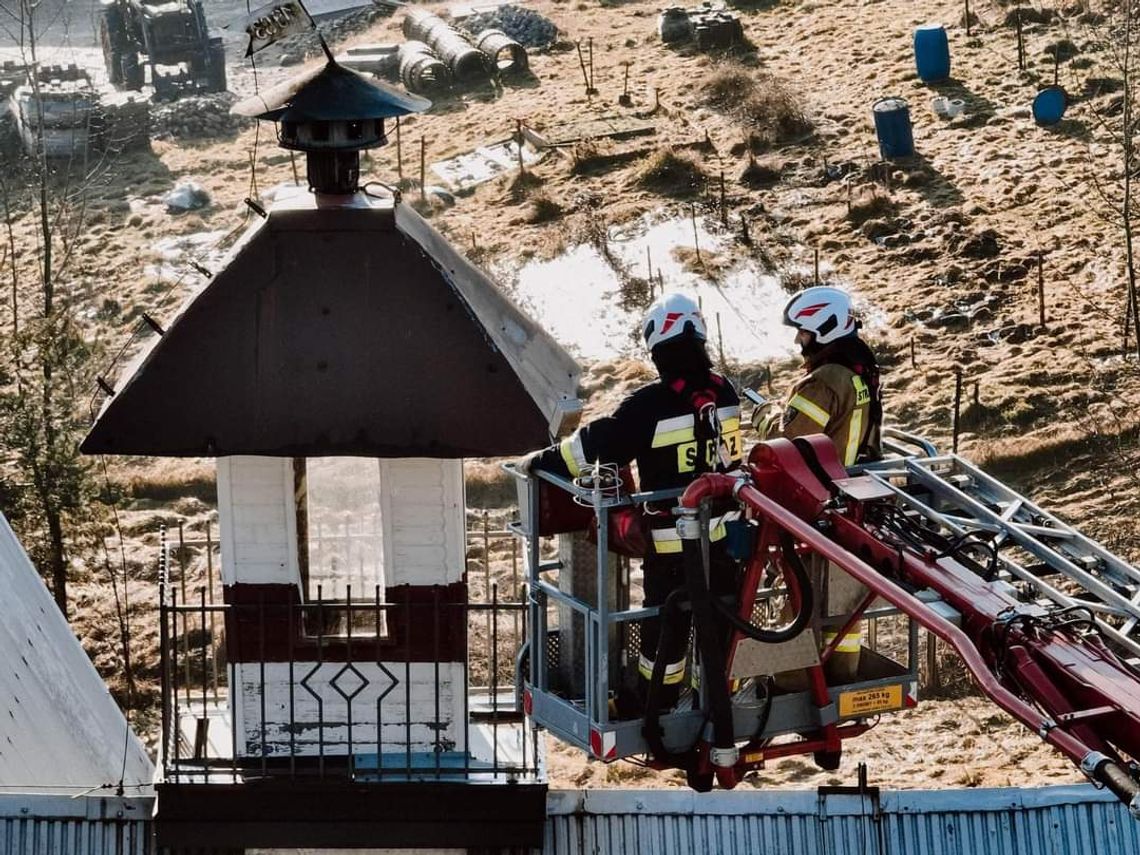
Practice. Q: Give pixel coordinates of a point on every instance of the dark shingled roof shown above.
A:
(354, 329)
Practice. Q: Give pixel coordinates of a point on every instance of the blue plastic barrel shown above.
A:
(892, 127)
(1049, 105)
(931, 53)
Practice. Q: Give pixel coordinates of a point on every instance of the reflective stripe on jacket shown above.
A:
(835, 401)
(657, 427)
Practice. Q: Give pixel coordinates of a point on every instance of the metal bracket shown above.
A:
(689, 527)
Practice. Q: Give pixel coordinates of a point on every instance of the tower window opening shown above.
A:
(340, 543)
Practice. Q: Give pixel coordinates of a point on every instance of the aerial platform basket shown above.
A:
(574, 699)
(1046, 620)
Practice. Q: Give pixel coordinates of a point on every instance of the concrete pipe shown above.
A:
(420, 69)
(467, 65)
(506, 55)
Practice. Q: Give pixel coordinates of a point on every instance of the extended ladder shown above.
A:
(1048, 560)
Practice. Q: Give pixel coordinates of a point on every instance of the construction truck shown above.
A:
(161, 33)
(1046, 620)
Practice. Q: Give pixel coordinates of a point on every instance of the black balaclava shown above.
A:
(682, 358)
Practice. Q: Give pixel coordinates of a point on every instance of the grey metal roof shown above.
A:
(65, 825)
(59, 726)
(1071, 820)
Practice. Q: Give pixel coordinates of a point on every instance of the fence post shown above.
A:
(957, 406)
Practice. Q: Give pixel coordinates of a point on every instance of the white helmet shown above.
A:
(671, 316)
(823, 311)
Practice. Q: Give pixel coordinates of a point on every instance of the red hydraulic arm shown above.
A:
(1048, 668)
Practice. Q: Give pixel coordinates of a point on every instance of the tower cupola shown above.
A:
(332, 114)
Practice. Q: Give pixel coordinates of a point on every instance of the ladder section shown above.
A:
(1049, 561)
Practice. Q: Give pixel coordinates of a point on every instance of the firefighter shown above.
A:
(685, 423)
(839, 395)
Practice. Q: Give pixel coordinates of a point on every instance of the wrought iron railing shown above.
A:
(354, 688)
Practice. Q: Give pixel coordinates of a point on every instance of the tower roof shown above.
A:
(329, 93)
(351, 329)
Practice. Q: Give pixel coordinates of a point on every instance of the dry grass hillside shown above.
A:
(943, 250)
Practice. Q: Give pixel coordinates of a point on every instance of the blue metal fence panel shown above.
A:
(1071, 820)
(74, 825)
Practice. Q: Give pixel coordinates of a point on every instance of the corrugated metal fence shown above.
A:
(70, 825)
(1075, 820)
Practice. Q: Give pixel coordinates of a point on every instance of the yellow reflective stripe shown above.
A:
(813, 411)
(674, 423)
(573, 455)
(729, 425)
(850, 643)
(862, 393)
(727, 413)
(732, 440)
(673, 437)
(673, 431)
(674, 672)
(667, 541)
(854, 435)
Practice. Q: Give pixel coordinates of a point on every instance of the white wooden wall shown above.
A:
(299, 716)
(421, 510)
(423, 522)
(258, 521)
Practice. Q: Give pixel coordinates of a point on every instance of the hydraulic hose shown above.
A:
(720, 486)
(709, 644)
(803, 616)
(1110, 773)
(670, 614)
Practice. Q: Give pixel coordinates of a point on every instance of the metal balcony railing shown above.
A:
(352, 689)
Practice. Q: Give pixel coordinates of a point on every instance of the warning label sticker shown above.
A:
(870, 701)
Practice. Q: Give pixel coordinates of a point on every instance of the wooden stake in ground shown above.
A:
(720, 342)
(723, 203)
(399, 153)
(817, 267)
(934, 679)
(423, 169)
(625, 100)
(649, 266)
(1020, 40)
(913, 360)
(585, 74)
(957, 407)
(745, 237)
(967, 18)
(519, 133)
(590, 45)
(696, 242)
(1041, 289)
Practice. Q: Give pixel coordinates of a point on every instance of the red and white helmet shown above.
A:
(823, 311)
(672, 316)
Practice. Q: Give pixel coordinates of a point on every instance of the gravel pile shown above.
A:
(296, 49)
(196, 117)
(525, 26)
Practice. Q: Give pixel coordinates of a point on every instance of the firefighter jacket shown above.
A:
(841, 397)
(674, 430)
